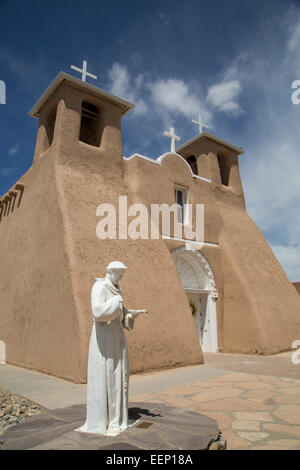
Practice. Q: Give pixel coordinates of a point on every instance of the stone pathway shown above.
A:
(253, 411)
(254, 399)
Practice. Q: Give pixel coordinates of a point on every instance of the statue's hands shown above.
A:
(135, 313)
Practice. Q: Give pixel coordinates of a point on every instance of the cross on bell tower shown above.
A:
(83, 71)
(173, 138)
(200, 124)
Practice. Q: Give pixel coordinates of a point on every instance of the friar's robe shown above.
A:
(108, 365)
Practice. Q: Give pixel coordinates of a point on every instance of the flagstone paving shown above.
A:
(257, 410)
(247, 407)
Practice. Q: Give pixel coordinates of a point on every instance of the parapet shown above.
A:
(11, 200)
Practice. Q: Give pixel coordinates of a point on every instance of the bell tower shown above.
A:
(77, 118)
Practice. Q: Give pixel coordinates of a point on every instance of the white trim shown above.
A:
(161, 157)
(159, 160)
(185, 240)
(143, 157)
(198, 263)
(197, 291)
(202, 178)
(204, 263)
(184, 209)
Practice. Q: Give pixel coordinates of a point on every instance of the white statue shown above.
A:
(108, 365)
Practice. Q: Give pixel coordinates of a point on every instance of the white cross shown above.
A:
(173, 137)
(200, 124)
(83, 71)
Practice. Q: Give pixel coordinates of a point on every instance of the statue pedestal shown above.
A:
(156, 427)
(163, 427)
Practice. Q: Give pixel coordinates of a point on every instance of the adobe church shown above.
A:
(241, 299)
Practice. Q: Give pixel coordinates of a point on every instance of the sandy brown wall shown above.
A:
(261, 306)
(258, 310)
(261, 311)
(37, 313)
(150, 183)
(47, 279)
(297, 286)
(50, 255)
(167, 337)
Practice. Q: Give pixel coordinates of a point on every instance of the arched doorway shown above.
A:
(199, 284)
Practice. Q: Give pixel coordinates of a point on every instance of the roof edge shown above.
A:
(206, 135)
(61, 77)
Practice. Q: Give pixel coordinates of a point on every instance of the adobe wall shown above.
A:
(167, 337)
(261, 306)
(261, 309)
(151, 183)
(297, 286)
(38, 314)
(51, 254)
(88, 176)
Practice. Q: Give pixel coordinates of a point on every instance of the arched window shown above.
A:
(193, 164)
(90, 125)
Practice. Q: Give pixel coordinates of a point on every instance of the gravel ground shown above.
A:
(14, 409)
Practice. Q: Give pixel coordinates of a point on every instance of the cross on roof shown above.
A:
(83, 71)
(200, 124)
(173, 137)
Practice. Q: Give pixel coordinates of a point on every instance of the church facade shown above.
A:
(230, 294)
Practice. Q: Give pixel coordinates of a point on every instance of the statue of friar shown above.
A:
(108, 365)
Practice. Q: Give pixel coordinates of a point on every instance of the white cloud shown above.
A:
(292, 59)
(26, 72)
(294, 38)
(13, 150)
(271, 167)
(122, 85)
(175, 95)
(167, 96)
(224, 97)
(163, 17)
(120, 80)
(6, 171)
(272, 188)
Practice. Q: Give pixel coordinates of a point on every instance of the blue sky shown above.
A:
(234, 61)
